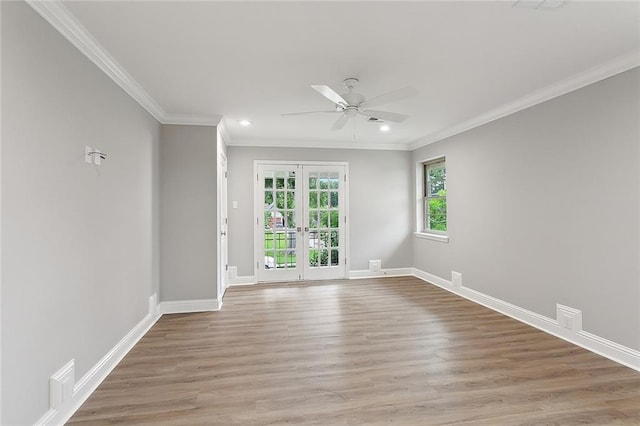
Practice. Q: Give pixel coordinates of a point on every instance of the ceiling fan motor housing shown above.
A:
(350, 83)
(353, 99)
(351, 111)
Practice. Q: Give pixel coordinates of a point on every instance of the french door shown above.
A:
(301, 221)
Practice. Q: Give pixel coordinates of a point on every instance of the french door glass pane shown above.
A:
(334, 258)
(279, 220)
(323, 219)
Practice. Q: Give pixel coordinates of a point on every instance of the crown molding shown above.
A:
(223, 129)
(318, 144)
(189, 119)
(60, 18)
(56, 14)
(578, 81)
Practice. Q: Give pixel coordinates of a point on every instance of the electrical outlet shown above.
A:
(456, 279)
(375, 265)
(569, 318)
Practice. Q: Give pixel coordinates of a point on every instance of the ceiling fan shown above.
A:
(351, 104)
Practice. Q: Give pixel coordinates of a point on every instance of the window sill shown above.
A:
(433, 237)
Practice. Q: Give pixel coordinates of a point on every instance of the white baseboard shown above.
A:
(392, 272)
(189, 306)
(90, 381)
(248, 280)
(591, 342)
(506, 308)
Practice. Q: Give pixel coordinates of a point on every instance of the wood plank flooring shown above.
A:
(360, 352)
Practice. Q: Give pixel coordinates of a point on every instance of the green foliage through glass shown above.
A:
(435, 196)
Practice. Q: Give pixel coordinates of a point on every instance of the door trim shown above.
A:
(257, 211)
(223, 214)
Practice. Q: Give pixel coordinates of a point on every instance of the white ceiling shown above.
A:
(471, 61)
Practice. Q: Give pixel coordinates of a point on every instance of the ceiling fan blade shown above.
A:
(385, 115)
(308, 112)
(396, 95)
(330, 94)
(339, 124)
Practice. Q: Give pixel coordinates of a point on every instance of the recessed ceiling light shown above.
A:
(384, 128)
(244, 123)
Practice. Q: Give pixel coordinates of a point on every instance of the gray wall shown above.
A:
(544, 208)
(78, 255)
(379, 192)
(188, 212)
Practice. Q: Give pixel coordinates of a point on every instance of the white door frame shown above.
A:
(258, 208)
(223, 242)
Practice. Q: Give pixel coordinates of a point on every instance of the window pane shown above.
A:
(291, 180)
(323, 181)
(324, 239)
(269, 262)
(334, 258)
(291, 259)
(334, 199)
(291, 220)
(335, 219)
(324, 223)
(314, 241)
(324, 199)
(335, 181)
(436, 180)
(324, 257)
(313, 219)
(438, 214)
(335, 240)
(313, 258)
(281, 259)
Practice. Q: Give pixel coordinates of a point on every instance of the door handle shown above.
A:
(306, 229)
(222, 233)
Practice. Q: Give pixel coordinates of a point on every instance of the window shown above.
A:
(435, 196)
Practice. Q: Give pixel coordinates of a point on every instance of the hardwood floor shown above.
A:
(372, 351)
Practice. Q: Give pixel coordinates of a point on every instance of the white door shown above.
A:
(324, 222)
(279, 223)
(300, 221)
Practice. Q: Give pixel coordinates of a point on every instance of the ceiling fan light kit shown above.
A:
(352, 104)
